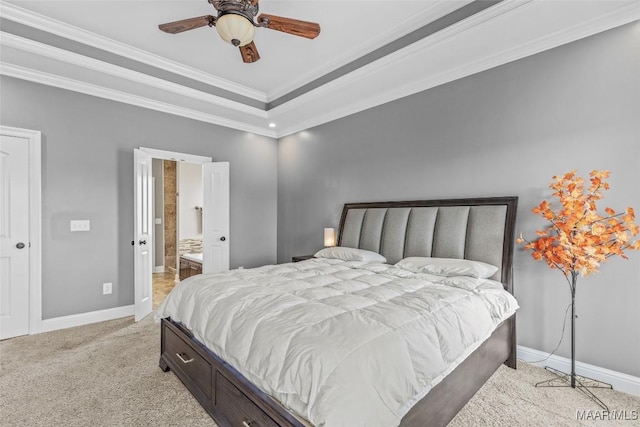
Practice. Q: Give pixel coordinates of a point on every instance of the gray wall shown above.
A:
(87, 173)
(505, 131)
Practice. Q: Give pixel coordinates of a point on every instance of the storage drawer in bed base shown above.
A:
(234, 401)
(225, 394)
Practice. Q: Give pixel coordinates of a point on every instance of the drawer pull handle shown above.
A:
(246, 423)
(180, 356)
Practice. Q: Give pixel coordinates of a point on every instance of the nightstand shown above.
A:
(301, 258)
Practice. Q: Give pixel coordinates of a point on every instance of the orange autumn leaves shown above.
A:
(578, 239)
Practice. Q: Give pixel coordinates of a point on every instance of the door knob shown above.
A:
(20, 245)
(222, 239)
(143, 242)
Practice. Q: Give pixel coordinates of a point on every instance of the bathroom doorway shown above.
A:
(150, 224)
(177, 224)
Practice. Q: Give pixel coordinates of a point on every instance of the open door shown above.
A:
(215, 217)
(215, 220)
(143, 259)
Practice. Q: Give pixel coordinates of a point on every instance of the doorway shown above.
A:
(214, 221)
(177, 214)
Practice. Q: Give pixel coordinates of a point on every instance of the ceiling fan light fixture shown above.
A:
(235, 29)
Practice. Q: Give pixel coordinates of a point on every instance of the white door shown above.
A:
(142, 243)
(215, 217)
(14, 236)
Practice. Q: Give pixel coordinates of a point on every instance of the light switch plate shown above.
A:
(80, 225)
(158, 220)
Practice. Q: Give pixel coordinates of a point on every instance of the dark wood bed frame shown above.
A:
(232, 400)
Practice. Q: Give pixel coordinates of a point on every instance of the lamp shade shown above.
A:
(235, 29)
(329, 237)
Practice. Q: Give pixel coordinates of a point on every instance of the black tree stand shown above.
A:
(582, 384)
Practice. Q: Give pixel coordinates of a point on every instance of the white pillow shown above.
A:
(448, 267)
(350, 254)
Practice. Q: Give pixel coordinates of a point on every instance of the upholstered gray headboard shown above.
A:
(479, 229)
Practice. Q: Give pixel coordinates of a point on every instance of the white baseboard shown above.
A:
(621, 382)
(80, 319)
(158, 269)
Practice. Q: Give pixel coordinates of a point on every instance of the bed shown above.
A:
(480, 229)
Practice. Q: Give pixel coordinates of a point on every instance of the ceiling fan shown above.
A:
(236, 22)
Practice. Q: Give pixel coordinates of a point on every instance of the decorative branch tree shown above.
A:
(578, 238)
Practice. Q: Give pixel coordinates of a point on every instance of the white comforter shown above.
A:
(340, 343)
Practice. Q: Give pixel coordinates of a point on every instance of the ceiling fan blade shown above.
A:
(186, 24)
(249, 52)
(296, 27)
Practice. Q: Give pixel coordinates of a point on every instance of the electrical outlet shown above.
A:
(107, 288)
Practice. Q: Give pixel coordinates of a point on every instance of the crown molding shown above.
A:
(114, 95)
(41, 49)
(364, 88)
(435, 11)
(398, 56)
(618, 17)
(26, 17)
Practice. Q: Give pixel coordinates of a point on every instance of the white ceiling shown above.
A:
(232, 93)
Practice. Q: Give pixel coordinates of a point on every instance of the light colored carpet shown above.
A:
(107, 374)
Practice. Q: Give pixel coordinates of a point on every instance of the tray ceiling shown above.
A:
(368, 52)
